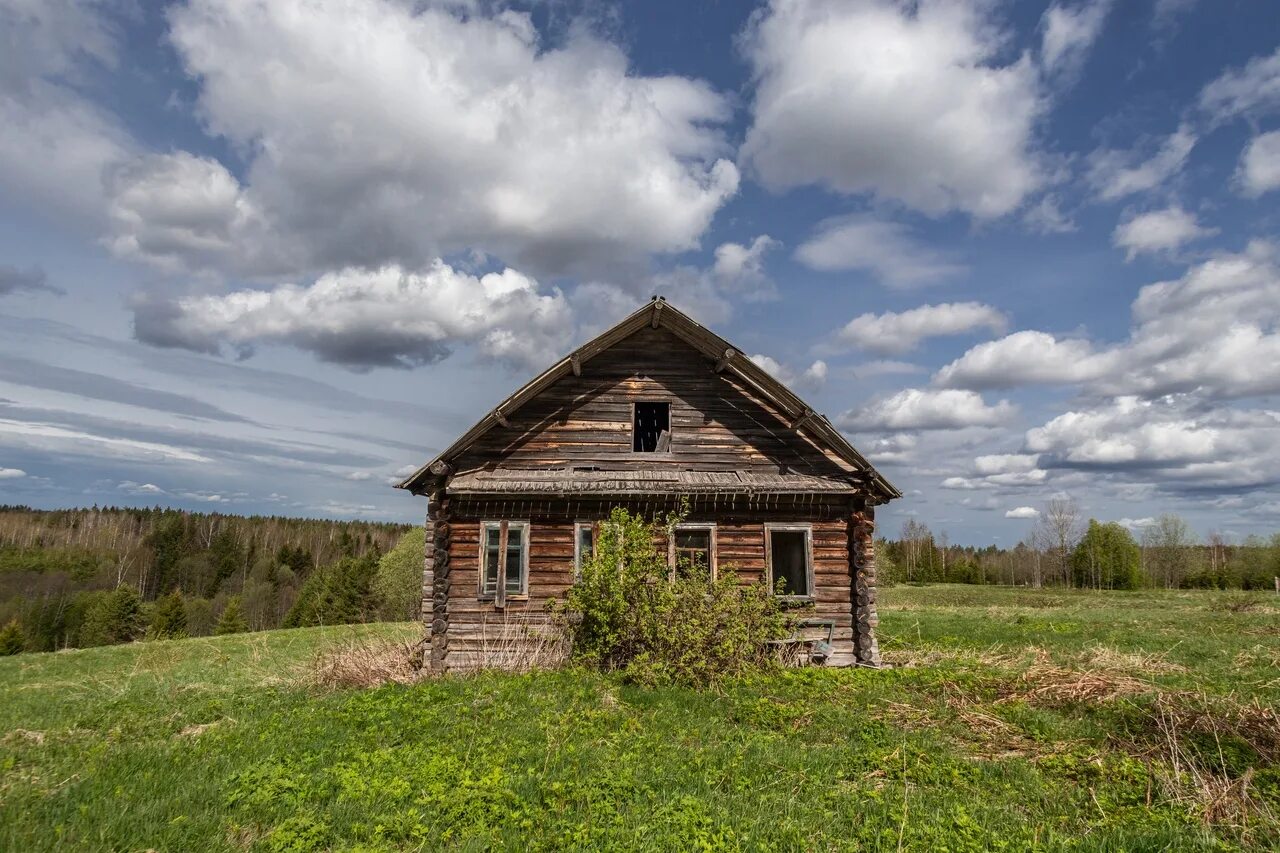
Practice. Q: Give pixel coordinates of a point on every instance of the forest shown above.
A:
(91, 577)
(1065, 550)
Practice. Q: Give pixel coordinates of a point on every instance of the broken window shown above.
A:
(790, 558)
(505, 559)
(692, 551)
(651, 428)
(584, 545)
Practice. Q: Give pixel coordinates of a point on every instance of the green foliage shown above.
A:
(627, 614)
(398, 583)
(232, 620)
(1107, 558)
(168, 618)
(337, 594)
(199, 617)
(11, 639)
(115, 617)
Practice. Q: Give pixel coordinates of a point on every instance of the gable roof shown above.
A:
(659, 313)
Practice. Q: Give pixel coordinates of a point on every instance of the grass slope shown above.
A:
(1015, 719)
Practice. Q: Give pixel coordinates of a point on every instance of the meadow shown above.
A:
(1012, 719)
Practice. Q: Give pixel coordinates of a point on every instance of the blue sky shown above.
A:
(263, 257)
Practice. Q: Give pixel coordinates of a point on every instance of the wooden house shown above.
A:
(654, 412)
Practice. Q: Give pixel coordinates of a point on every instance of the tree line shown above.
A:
(87, 577)
(1063, 549)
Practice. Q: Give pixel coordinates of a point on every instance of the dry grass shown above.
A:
(522, 646)
(366, 663)
(1047, 684)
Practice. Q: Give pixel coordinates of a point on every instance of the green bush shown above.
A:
(337, 594)
(11, 640)
(398, 583)
(626, 614)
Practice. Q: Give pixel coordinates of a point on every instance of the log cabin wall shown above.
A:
(481, 635)
(718, 423)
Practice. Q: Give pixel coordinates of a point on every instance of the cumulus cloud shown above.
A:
(908, 102)
(14, 280)
(887, 250)
(1259, 170)
(813, 376)
(740, 268)
(1001, 471)
(1027, 512)
(915, 409)
(1114, 174)
(1173, 441)
(389, 317)
(894, 333)
(1025, 358)
(1158, 231)
(11, 473)
(383, 133)
(1252, 90)
(1069, 32)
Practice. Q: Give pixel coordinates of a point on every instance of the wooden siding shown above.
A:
(718, 423)
(477, 627)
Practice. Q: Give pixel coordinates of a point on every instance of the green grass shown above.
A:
(973, 742)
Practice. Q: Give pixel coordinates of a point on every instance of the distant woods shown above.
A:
(1065, 550)
(87, 577)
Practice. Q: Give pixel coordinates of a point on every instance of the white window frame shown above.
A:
(807, 530)
(500, 596)
(578, 527)
(692, 525)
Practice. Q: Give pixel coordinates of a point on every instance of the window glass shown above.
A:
(693, 552)
(586, 546)
(510, 568)
(790, 555)
(491, 542)
(515, 558)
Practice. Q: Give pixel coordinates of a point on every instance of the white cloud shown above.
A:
(384, 134)
(135, 488)
(11, 473)
(1046, 217)
(1251, 90)
(1025, 358)
(813, 376)
(907, 102)
(1259, 170)
(1137, 523)
(740, 269)
(885, 249)
(1005, 463)
(923, 409)
(53, 437)
(1114, 174)
(1173, 441)
(385, 318)
(358, 476)
(1158, 231)
(1027, 512)
(1213, 331)
(1069, 32)
(895, 333)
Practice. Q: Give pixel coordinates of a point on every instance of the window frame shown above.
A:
(692, 525)
(500, 596)
(670, 425)
(578, 527)
(810, 580)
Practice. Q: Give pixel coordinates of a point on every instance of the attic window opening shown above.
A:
(651, 428)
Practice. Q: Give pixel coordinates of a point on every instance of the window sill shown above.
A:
(795, 600)
(511, 596)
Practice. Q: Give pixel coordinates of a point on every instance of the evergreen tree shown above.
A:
(115, 618)
(337, 594)
(232, 620)
(11, 640)
(169, 618)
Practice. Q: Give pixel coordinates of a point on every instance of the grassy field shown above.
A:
(1013, 719)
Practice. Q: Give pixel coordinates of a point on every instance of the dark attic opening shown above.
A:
(651, 428)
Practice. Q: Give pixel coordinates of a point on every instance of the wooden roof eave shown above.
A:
(655, 313)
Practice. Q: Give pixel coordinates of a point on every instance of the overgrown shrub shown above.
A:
(626, 614)
(11, 639)
(398, 583)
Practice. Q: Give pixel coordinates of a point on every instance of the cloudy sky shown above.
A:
(262, 255)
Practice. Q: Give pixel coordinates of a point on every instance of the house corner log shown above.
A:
(438, 530)
(866, 650)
